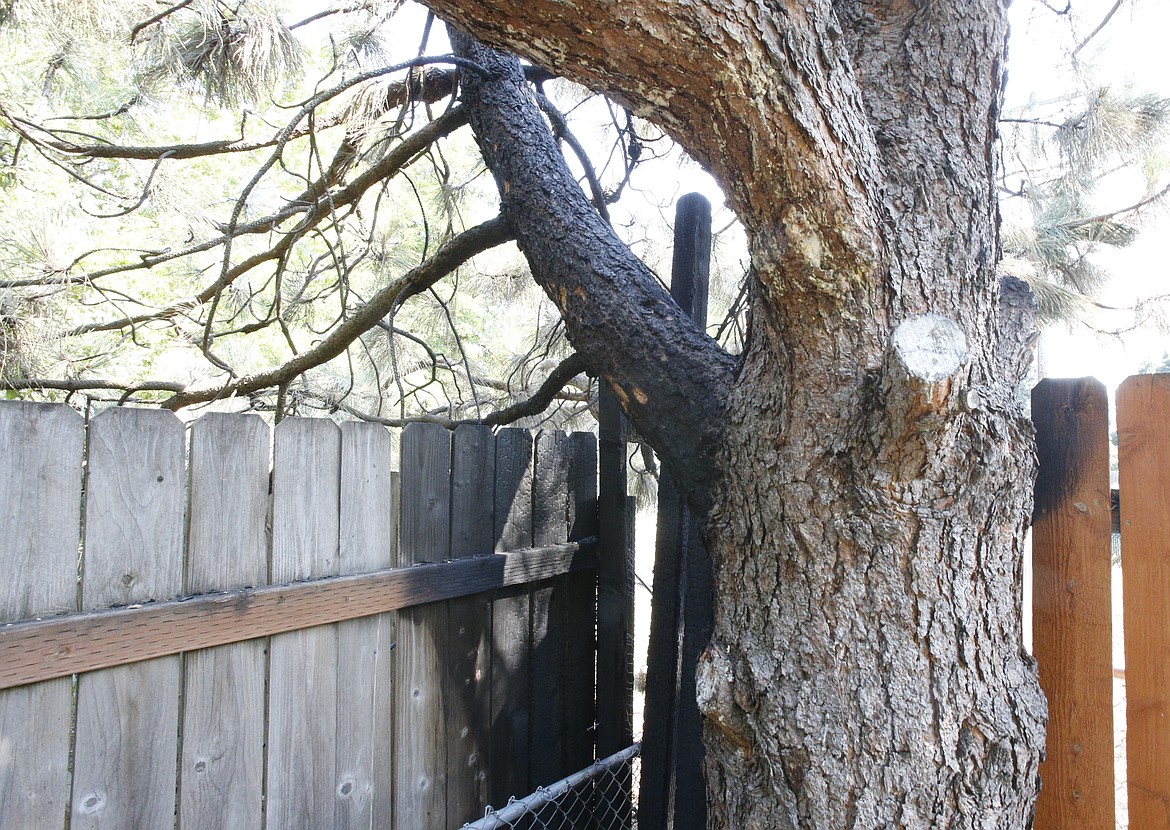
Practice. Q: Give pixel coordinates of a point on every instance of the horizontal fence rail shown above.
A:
(43, 649)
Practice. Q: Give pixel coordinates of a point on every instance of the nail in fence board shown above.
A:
(40, 512)
(1072, 611)
(421, 763)
(467, 681)
(365, 667)
(511, 633)
(133, 553)
(302, 714)
(1143, 431)
(222, 772)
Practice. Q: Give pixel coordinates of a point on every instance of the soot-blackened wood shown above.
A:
(508, 763)
(550, 514)
(420, 800)
(1143, 453)
(1072, 611)
(467, 681)
(580, 607)
(615, 590)
(673, 793)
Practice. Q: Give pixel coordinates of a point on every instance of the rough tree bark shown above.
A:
(864, 469)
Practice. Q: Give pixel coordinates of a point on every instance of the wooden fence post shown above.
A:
(1072, 614)
(673, 792)
(615, 592)
(1143, 430)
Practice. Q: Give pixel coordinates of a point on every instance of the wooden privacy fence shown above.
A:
(1072, 624)
(206, 629)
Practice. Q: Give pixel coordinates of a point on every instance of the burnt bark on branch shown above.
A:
(671, 378)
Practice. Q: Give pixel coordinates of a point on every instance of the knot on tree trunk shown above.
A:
(926, 357)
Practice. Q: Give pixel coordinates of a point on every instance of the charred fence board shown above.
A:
(673, 792)
(1072, 612)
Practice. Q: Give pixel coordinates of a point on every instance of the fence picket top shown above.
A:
(513, 490)
(306, 482)
(228, 503)
(134, 508)
(40, 508)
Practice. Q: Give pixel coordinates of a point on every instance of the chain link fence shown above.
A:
(596, 798)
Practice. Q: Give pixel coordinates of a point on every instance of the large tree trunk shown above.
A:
(865, 470)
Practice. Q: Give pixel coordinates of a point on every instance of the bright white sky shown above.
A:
(1130, 53)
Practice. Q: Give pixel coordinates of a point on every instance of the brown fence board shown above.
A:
(133, 553)
(420, 775)
(40, 513)
(467, 680)
(302, 708)
(222, 770)
(1143, 428)
(365, 667)
(1072, 613)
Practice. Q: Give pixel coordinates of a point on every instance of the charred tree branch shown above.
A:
(671, 378)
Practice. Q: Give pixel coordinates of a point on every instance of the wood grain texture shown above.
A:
(127, 717)
(421, 760)
(222, 768)
(302, 685)
(1072, 612)
(40, 513)
(55, 647)
(467, 679)
(511, 634)
(1143, 434)
(365, 676)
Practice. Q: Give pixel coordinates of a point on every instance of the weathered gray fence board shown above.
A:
(549, 525)
(467, 681)
(302, 712)
(127, 717)
(420, 774)
(511, 635)
(199, 678)
(40, 513)
(365, 647)
(222, 772)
